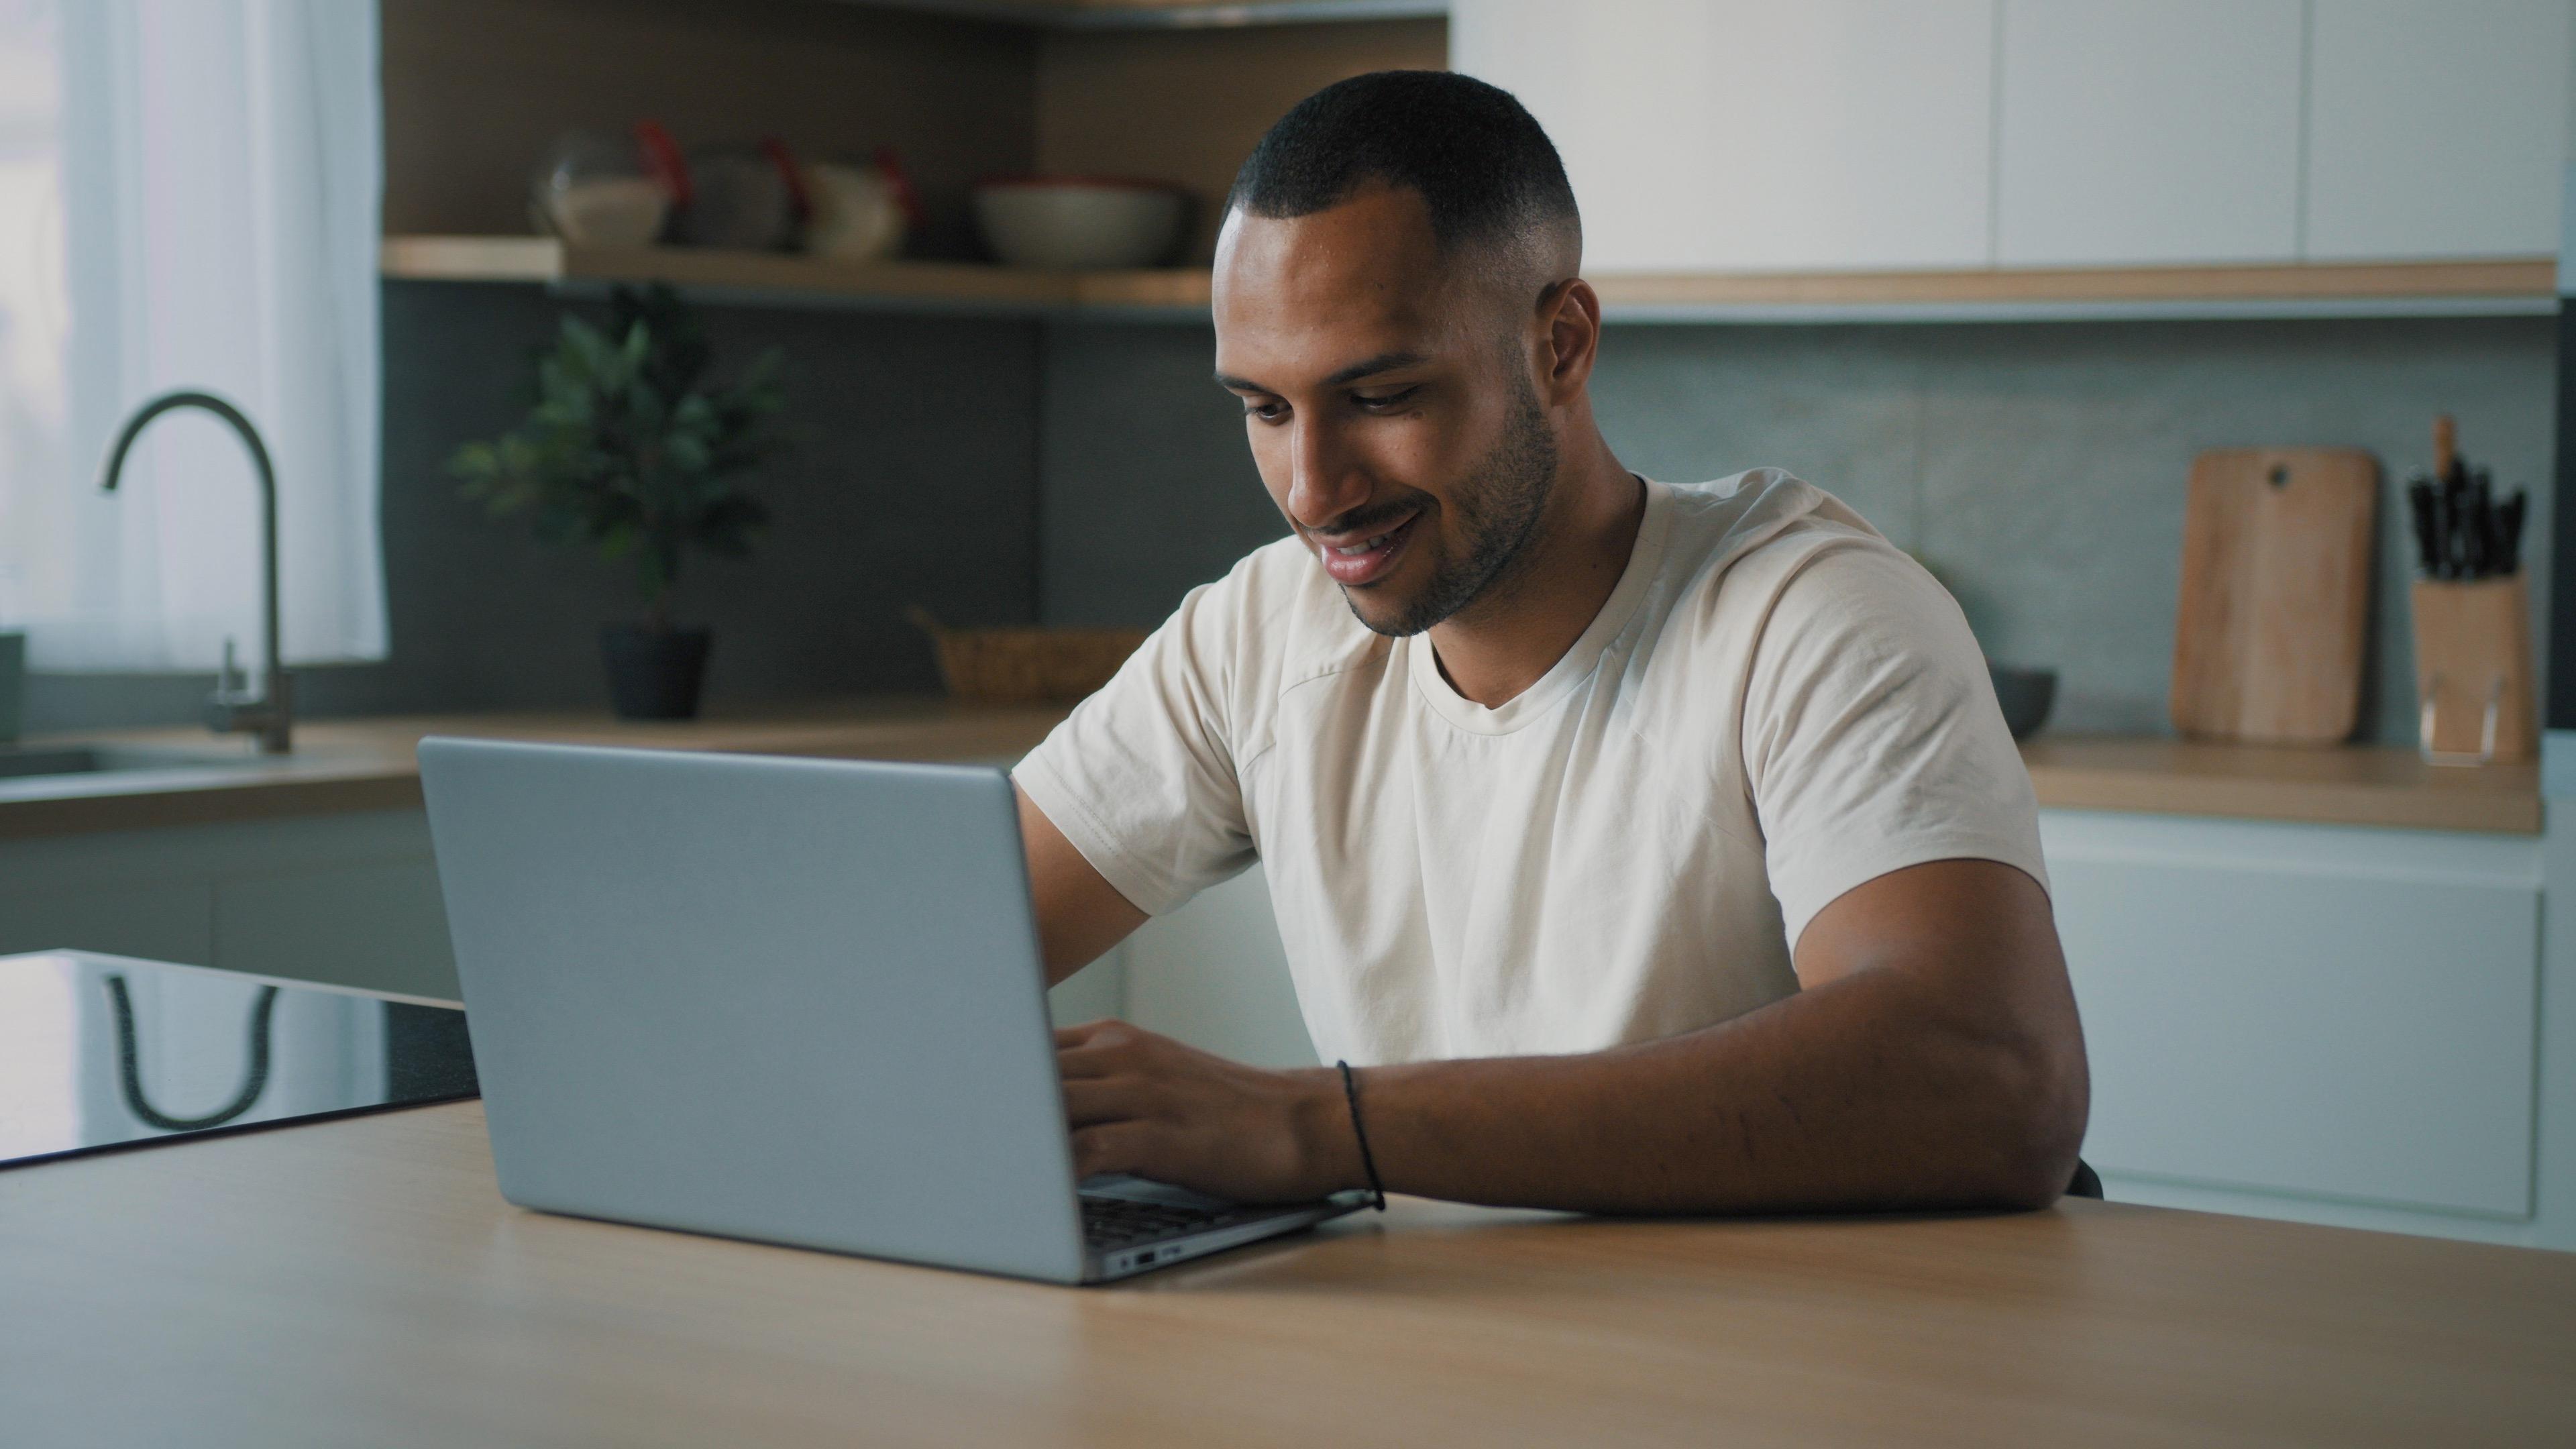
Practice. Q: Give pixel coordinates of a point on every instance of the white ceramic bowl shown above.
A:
(610, 211)
(1076, 224)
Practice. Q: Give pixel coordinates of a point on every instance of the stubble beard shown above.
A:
(1498, 507)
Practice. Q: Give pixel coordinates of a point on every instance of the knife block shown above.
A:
(2473, 670)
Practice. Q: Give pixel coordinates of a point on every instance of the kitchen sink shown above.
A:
(16, 764)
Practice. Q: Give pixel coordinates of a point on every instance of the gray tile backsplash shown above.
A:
(911, 479)
(1090, 473)
(1147, 485)
(2039, 467)
(2054, 460)
(908, 478)
(1840, 407)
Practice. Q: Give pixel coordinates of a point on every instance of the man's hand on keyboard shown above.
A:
(1146, 1104)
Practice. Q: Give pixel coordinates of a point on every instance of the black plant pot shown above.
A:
(2025, 695)
(654, 673)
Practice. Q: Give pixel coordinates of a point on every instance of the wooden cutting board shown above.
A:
(2275, 595)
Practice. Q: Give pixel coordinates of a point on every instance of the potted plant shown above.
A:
(630, 450)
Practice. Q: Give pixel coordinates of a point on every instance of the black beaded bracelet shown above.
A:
(1351, 1092)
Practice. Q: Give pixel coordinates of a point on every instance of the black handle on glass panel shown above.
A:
(130, 1080)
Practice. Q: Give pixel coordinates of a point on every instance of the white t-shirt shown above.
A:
(1774, 706)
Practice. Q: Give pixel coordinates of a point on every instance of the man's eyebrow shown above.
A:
(1370, 367)
(1383, 362)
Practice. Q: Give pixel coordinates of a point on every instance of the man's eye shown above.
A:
(1385, 399)
(1268, 412)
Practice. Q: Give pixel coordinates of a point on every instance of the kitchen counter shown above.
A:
(363, 1280)
(2346, 785)
(367, 764)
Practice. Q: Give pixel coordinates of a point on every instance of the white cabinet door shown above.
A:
(1852, 134)
(2310, 1011)
(381, 926)
(2148, 131)
(2436, 130)
(155, 920)
(1624, 92)
(1095, 992)
(1750, 135)
(1213, 974)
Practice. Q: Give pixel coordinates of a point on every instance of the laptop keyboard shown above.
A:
(1117, 1222)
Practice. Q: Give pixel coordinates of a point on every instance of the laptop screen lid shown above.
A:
(784, 999)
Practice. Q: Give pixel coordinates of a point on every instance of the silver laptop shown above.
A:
(797, 1001)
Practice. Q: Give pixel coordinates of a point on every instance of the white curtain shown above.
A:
(189, 196)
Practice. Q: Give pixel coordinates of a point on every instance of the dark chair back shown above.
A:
(2087, 1183)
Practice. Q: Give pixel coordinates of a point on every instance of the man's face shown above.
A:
(1388, 398)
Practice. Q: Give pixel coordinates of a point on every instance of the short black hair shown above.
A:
(1478, 158)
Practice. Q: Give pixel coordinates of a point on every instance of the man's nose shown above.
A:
(1323, 484)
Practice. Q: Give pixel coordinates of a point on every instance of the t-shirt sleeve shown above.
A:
(1871, 736)
(1141, 777)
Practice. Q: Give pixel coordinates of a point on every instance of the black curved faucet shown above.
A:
(269, 713)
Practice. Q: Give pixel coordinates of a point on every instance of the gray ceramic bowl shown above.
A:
(2025, 695)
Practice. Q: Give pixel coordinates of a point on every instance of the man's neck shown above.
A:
(1499, 646)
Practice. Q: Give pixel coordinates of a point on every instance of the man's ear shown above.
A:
(1570, 312)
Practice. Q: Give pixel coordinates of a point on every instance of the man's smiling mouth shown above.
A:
(1365, 559)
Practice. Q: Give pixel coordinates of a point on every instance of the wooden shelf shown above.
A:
(779, 277)
(2512, 286)
(1168, 14)
(2504, 286)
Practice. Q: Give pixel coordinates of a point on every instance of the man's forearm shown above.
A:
(1864, 1092)
(1933, 1059)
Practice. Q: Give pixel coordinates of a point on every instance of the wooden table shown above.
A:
(361, 1282)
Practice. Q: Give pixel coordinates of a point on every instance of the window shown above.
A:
(189, 194)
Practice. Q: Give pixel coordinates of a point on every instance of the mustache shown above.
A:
(1366, 519)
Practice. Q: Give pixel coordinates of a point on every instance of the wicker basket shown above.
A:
(1022, 666)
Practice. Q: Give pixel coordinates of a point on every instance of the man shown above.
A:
(1646, 848)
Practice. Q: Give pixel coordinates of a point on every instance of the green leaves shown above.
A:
(627, 450)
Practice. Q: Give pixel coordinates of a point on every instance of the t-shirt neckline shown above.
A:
(1645, 558)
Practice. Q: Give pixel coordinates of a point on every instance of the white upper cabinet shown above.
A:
(1749, 135)
(2436, 129)
(2147, 131)
(1854, 134)
(1826, 135)
(1624, 91)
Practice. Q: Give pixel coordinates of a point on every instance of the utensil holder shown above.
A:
(2473, 671)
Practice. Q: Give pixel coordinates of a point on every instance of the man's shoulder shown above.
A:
(1765, 565)
(1744, 537)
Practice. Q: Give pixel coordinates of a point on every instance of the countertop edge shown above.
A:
(369, 764)
(209, 803)
(2064, 787)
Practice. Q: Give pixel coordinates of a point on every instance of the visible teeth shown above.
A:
(1359, 548)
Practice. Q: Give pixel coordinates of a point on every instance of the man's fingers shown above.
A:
(1115, 1147)
(1088, 1100)
(1088, 1061)
(1108, 1031)
(1097, 1050)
